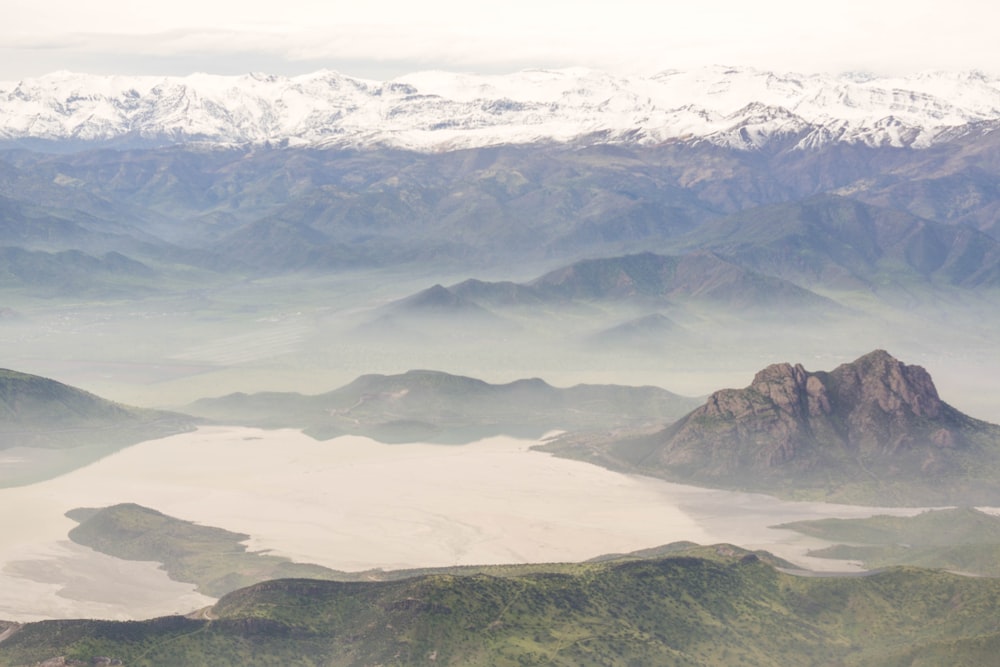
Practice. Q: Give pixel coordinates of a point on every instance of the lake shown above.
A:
(353, 504)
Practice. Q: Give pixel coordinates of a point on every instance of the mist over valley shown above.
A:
(485, 350)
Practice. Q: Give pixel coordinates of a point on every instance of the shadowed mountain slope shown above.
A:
(701, 277)
(650, 332)
(275, 246)
(40, 407)
(697, 276)
(72, 272)
(438, 300)
(838, 242)
(323, 209)
(501, 294)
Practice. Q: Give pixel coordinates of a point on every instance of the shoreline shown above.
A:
(354, 504)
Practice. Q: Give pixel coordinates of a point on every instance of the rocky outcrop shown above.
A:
(872, 422)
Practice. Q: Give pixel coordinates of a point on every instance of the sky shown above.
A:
(386, 38)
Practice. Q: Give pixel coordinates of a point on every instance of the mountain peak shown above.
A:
(880, 379)
(874, 424)
(786, 385)
(429, 111)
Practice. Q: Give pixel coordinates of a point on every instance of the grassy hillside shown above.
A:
(217, 561)
(56, 428)
(212, 558)
(960, 539)
(680, 610)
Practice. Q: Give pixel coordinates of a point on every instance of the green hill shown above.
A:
(55, 428)
(684, 610)
(213, 558)
(960, 539)
(217, 561)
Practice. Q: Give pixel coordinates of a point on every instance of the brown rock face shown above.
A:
(878, 378)
(873, 418)
(892, 405)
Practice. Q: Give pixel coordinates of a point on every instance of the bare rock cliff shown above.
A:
(875, 419)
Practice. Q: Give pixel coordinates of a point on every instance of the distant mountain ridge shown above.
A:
(695, 276)
(734, 107)
(260, 211)
(873, 431)
(839, 242)
(436, 406)
(699, 276)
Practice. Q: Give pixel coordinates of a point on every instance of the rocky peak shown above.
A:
(792, 389)
(782, 383)
(874, 423)
(880, 379)
(876, 380)
(429, 111)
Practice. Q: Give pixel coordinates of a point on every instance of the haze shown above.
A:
(353, 504)
(162, 274)
(386, 39)
(312, 334)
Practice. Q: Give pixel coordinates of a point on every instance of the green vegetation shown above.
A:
(681, 610)
(217, 561)
(212, 558)
(38, 405)
(961, 539)
(57, 428)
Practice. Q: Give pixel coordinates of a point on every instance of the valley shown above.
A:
(352, 504)
(500, 370)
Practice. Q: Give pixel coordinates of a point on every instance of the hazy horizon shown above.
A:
(388, 39)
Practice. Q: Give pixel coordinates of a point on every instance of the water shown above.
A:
(355, 504)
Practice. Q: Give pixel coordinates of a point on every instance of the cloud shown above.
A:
(633, 35)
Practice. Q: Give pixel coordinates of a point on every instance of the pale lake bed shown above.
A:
(354, 504)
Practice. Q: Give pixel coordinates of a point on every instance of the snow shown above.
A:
(732, 106)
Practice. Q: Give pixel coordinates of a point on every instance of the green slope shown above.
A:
(212, 558)
(674, 611)
(217, 561)
(961, 539)
(50, 428)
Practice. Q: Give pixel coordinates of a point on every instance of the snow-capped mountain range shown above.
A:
(431, 111)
